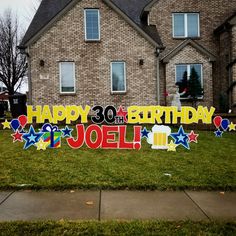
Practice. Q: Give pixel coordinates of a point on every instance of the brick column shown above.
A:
(234, 67)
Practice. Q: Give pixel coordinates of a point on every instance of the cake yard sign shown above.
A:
(113, 135)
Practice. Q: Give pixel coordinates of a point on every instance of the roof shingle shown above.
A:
(49, 9)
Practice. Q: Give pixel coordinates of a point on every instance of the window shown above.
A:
(189, 79)
(92, 24)
(186, 25)
(118, 77)
(67, 77)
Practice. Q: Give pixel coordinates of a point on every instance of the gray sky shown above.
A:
(25, 9)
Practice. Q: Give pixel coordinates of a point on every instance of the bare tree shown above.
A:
(13, 65)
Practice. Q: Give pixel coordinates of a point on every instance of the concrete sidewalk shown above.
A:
(109, 205)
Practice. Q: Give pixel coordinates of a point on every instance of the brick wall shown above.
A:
(190, 55)
(227, 42)
(212, 14)
(119, 41)
(224, 59)
(234, 66)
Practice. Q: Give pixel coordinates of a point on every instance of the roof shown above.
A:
(226, 25)
(50, 9)
(47, 10)
(182, 45)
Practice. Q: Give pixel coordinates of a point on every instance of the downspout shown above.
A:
(29, 80)
(157, 53)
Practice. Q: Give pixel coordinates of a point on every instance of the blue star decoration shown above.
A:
(218, 133)
(31, 138)
(144, 133)
(66, 132)
(181, 138)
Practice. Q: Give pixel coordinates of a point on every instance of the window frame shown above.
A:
(60, 77)
(185, 24)
(189, 72)
(125, 90)
(85, 25)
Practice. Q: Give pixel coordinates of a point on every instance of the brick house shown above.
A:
(131, 52)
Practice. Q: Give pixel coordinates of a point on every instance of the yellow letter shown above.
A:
(72, 114)
(187, 118)
(177, 114)
(208, 115)
(36, 114)
(168, 111)
(59, 113)
(84, 113)
(133, 114)
(46, 114)
(145, 119)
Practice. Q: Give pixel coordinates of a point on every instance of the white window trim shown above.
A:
(85, 24)
(185, 25)
(74, 77)
(124, 63)
(189, 72)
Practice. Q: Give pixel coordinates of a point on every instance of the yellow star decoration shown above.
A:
(6, 124)
(232, 126)
(41, 145)
(171, 146)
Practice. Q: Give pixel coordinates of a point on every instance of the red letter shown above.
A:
(75, 144)
(137, 137)
(88, 136)
(109, 137)
(123, 143)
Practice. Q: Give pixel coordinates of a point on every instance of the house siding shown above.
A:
(64, 41)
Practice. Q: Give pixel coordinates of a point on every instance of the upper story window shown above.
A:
(118, 77)
(190, 80)
(67, 77)
(186, 25)
(92, 24)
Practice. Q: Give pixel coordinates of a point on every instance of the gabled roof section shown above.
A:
(226, 25)
(46, 12)
(131, 10)
(148, 8)
(51, 10)
(194, 44)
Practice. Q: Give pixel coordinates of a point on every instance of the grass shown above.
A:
(210, 165)
(118, 228)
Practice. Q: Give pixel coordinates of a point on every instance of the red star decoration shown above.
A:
(122, 113)
(166, 94)
(193, 137)
(17, 137)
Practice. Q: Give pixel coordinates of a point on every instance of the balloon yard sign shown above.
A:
(106, 127)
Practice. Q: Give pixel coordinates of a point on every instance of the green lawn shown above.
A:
(211, 164)
(118, 228)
